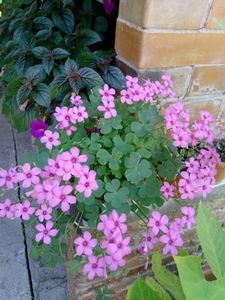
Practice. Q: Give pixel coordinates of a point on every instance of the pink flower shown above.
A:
(80, 114)
(72, 161)
(172, 241)
(206, 117)
(7, 209)
(143, 248)
(29, 175)
(85, 244)
(44, 213)
(64, 115)
(193, 165)
(168, 190)
(138, 93)
(119, 247)
(87, 184)
(177, 225)
(158, 222)
(62, 196)
(109, 110)
(187, 193)
(114, 264)
(118, 221)
(95, 267)
(50, 139)
(150, 240)
(8, 178)
(46, 232)
(189, 216)
(76, 100)
(107, 93)
(167, 80)
(181, 138)
(131, 81)
(204, 187)
(24, 210)
(126, 97)
(187, 180)
(106, 224)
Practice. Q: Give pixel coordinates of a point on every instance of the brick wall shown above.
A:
(179, 38)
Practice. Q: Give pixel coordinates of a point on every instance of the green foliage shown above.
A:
(142, 291)
(212, 240)
(166, 278)
(193, 281)
(127, 165)
(49, 49)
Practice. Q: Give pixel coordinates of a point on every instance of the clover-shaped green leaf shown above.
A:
(117, 196)
(137, 169)
(108, 125)
(103, 156)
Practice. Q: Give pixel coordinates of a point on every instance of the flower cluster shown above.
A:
(50, 188)
(114, 246)
(148, 92)
(68, 117)
(197, 177)
(169, 235)
(120, 163)
(184, 133)
(108, 104)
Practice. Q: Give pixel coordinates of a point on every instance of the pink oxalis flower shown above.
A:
(95, 267)
(8, 178)
(157, 222)
(85, 244)
(87, 184)
(45, 232)
(107, 93)
(44, 213)
(172, 241)
(7, 209)
(24, 210)
(50, 139)
(29, 175)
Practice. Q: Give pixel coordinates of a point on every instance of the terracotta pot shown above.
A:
(220, 177)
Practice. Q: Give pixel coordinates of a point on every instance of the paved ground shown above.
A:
(21, 278)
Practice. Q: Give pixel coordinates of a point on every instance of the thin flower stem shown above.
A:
(141, 210)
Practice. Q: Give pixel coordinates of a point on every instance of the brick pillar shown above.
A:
(179, 38)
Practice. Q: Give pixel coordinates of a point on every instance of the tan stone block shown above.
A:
(149, 49)
(208, 80)
(164, 14)
(196, 105)
(218, 13)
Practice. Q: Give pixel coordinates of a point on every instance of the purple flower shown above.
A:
(109, 6)
(38, 128)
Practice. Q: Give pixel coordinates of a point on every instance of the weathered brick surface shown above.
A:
(144, 49)
(217, 12)
(164, 14)
(208, 80)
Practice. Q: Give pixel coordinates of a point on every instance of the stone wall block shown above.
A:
(164, 14)
(145, 49)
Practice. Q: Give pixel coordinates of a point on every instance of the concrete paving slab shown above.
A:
(14, 276)
(47, 283)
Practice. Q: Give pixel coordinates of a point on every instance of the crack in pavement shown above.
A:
(23, 226)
